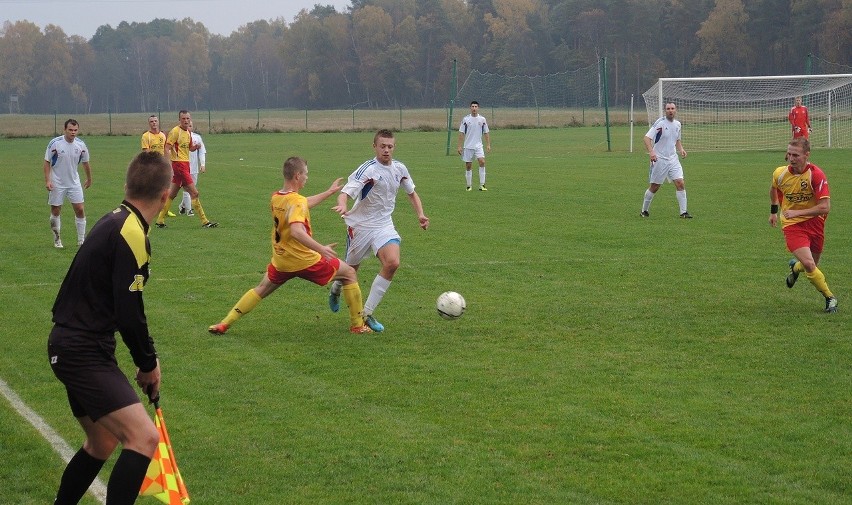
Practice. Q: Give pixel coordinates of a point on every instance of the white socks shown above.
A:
(81, 229)
(55, 225)
(646, 202)
(681, 200)
(377, 292)
(481, 176)
(468, 176)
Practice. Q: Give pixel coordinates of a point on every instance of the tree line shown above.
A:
(400, 53)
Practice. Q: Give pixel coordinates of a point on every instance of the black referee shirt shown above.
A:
(102, 292)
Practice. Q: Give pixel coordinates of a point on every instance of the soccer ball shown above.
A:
(450, 305)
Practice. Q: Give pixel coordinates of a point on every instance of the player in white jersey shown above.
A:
(472, 130)
(663, 144)
(62, 180)
(373, 188)
(197, 163)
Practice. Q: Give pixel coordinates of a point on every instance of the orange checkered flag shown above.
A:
(163, 480)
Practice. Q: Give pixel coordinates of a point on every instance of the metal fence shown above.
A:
(280, 120)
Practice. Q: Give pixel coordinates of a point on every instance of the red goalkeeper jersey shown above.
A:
(799, 120)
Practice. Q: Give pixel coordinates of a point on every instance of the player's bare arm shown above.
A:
(773, 201)
(418, 209)
(820, 209)
(649, 146)
(319, 197)
(342, 204)
(300, 233)
(88, 169)
(47, 182)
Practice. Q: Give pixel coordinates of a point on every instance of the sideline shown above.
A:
(98, 489)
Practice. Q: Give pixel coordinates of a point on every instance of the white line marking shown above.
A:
(98, 489)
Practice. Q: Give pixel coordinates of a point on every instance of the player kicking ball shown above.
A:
(295, 253)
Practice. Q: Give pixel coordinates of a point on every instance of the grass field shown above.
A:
(603, 358)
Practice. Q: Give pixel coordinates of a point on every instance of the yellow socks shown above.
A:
(165, 210)
(246, 304)
(199, 210)
(818, 280)
(352, 295)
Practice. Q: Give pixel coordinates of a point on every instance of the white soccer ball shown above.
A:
(451, 305)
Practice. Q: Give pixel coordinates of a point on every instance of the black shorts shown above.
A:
(95, 384)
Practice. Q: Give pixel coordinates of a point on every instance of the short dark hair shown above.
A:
(182, 112)
(474, 102)
(148, 175)
(802, 142)
(383, 133)
(71, 121)
(293, 166)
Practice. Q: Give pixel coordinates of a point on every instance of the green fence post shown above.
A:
(453, 92)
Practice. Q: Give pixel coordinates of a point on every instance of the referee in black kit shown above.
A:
(102, 294)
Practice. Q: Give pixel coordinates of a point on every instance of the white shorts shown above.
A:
(361, 242)
(664, 170)
(56, 196)
(469, 155)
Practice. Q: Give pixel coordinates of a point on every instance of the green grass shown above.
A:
(603, 358)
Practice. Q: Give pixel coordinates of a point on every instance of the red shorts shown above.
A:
(180, 173)
(320, 272)
(810, 234)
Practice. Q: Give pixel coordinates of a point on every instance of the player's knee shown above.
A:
(100, 448)
(346, 274)
(145, 441)
(390, 265)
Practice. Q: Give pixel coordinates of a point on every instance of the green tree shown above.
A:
(17, 59)
(53, 52)
(724, 41)
(512, 49)
(372, 30)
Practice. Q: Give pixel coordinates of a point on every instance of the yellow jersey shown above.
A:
(802, 191)
(288, 254)
(154, 142)
(180, 140)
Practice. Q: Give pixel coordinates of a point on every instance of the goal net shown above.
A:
(572, 98)
(741, 113)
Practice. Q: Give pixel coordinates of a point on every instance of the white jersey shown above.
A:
(665, 135)
(64, 157)
(473, 128)
(197, 158)
(373, 186)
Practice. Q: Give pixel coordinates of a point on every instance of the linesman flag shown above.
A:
(163, 480)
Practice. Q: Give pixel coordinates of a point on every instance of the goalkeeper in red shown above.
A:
(799, 120)
(800, 192)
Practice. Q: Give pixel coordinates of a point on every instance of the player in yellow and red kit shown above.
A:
(800, 191)
(295, 253)
(799, 120)
(178, 146)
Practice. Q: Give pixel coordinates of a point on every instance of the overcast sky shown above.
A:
(83, 17)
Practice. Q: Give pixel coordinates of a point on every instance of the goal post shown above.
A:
(750, 113)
